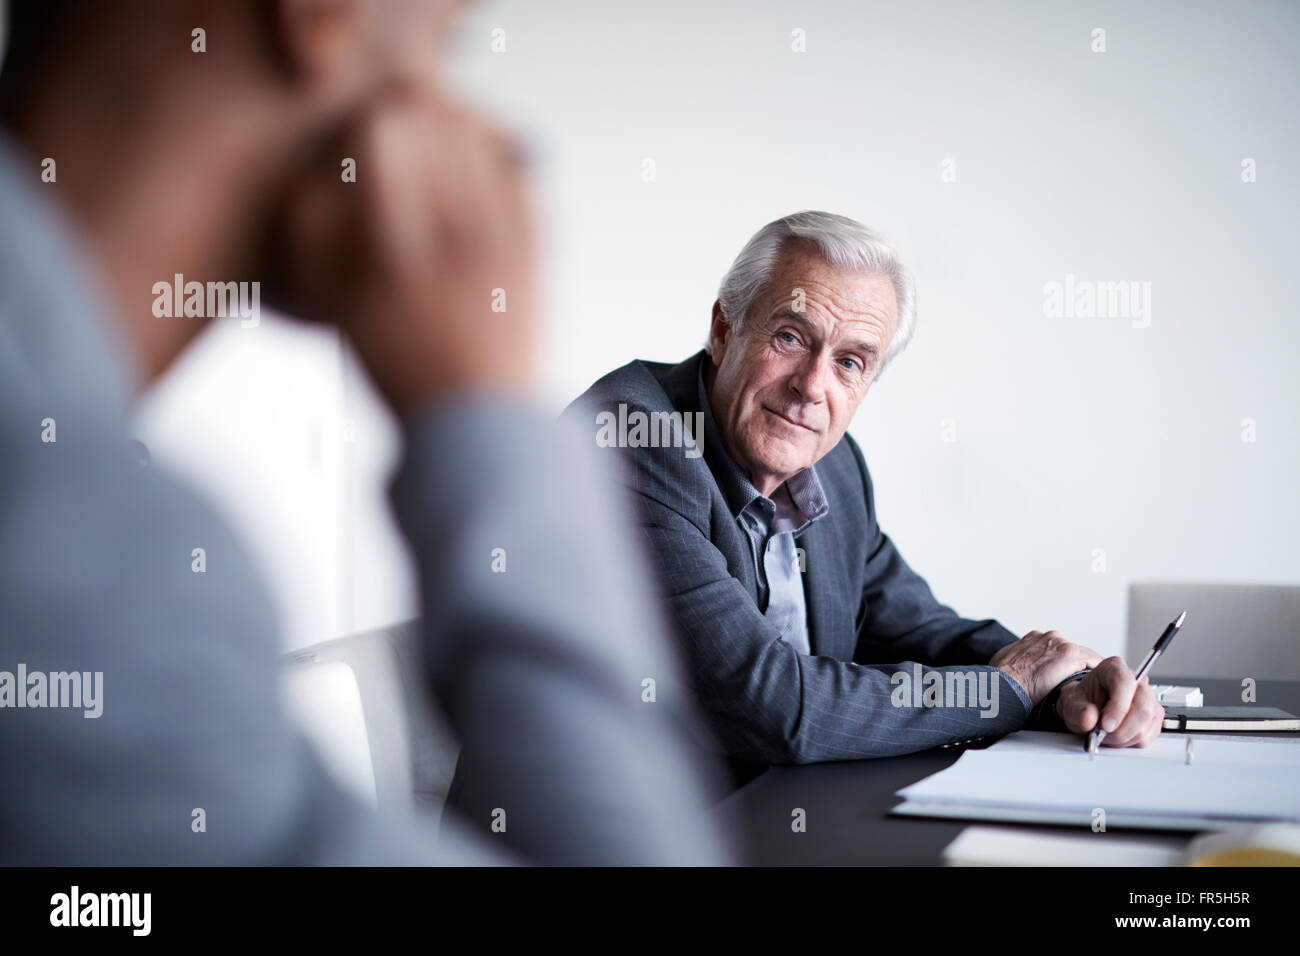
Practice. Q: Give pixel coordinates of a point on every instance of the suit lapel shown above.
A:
(681, 383)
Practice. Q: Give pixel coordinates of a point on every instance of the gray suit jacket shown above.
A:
(538, 669)
(869, 614)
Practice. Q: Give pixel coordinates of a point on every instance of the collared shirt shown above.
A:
(772, 526)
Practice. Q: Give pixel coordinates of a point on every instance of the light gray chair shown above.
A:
(1232, 630)
(364, 702)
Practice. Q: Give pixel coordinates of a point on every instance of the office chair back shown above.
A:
(1232, 630)
(364, 703)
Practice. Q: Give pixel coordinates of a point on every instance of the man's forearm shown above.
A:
(815, 709)
(942, 640)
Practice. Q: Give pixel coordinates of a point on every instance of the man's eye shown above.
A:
(789, 338)
(850, 364)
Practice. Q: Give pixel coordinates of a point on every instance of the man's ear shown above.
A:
(719, 334)
(320, 43)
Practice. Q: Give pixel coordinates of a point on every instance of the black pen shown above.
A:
(1097, 735)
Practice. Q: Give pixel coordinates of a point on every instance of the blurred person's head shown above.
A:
(807, 317)
(178, 127)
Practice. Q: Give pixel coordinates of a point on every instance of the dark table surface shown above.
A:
(846, 804)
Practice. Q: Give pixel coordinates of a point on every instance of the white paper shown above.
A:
(1017, 846)
(1230, 778)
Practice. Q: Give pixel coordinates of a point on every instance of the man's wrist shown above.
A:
(1044, 715)
(1021, 692)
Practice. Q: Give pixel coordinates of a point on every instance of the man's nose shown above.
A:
(811, 379)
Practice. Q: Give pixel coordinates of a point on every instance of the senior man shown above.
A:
(808, 635)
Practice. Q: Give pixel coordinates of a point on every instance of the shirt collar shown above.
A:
(805, 488)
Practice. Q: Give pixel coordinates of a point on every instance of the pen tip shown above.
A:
(1182, 617)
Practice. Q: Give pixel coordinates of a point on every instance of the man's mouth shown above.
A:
(788, 420)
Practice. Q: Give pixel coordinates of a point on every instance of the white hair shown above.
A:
(844, 243)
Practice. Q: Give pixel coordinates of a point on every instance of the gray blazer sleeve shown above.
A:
(544, 641)
(770, 704)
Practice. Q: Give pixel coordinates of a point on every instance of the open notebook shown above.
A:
(1039, 777)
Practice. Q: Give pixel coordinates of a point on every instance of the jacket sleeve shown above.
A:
(578, 730)
(770, 704)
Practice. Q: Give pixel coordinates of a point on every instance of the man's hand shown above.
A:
(427, 259)
(1041, 660)
(1128, 709)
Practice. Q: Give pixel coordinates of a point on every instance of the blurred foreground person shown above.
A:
(152, 140)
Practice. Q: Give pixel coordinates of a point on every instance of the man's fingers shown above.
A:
(1144, 714)
(1119, 685)
(1088, 717)
(1157, 726)
(442, 183)
(1078, 713)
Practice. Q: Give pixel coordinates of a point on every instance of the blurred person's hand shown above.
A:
(427, 260)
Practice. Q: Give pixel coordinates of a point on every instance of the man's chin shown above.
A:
(785, 464)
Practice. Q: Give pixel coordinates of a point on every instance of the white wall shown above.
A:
(1071, 434)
